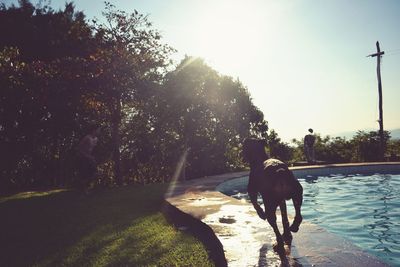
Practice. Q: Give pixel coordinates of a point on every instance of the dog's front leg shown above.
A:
(257, 207)
(297, 201)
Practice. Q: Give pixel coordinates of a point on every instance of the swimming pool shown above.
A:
(364, 209)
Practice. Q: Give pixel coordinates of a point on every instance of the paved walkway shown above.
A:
(247, 240)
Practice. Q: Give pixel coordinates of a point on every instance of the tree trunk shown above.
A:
(115, 134)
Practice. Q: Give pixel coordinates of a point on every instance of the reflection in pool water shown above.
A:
(363, 209)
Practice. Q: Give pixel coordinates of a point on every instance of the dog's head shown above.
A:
(253, 149)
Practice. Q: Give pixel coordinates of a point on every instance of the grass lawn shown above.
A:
(118, 227)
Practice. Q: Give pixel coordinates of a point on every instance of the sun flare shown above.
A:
(229, 31)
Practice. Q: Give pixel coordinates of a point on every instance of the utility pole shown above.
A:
(378, 56)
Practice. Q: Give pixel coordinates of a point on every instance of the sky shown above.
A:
(304, 62)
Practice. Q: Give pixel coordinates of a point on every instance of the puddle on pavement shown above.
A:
(227, 220)
(199, 202)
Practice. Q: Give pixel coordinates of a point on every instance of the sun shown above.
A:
(229, 32)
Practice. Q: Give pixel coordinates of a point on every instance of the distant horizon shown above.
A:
(346, 134)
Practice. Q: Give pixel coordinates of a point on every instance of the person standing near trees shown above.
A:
(309, 141)
(86, 162)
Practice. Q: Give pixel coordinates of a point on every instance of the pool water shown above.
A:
(362, 209)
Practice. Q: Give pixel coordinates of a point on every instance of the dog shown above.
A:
(272, 179)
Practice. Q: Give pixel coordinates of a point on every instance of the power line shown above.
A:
(393, 50)
(392, 53)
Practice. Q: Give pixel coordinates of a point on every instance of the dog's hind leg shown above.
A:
(287, 236)
(270, 210)
(297, 202)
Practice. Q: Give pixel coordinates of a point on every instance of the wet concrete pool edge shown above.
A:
(235, 235)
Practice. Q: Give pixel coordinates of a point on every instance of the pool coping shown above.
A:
(220, 222)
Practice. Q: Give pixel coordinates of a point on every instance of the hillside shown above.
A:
(394, 133)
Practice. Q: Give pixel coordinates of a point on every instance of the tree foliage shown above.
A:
(363, 147)
(59, 74)
(41, 92)
(214, 114)
(278, 149)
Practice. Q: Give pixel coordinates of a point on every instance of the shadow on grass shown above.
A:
(115, 227)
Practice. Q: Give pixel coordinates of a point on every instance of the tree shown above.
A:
(277, 148)
(393, 150)
(367, 145)
(129, 60)
(40, 33)
(54, 87)
(363, 147)
(39, 91)
(210, 114)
